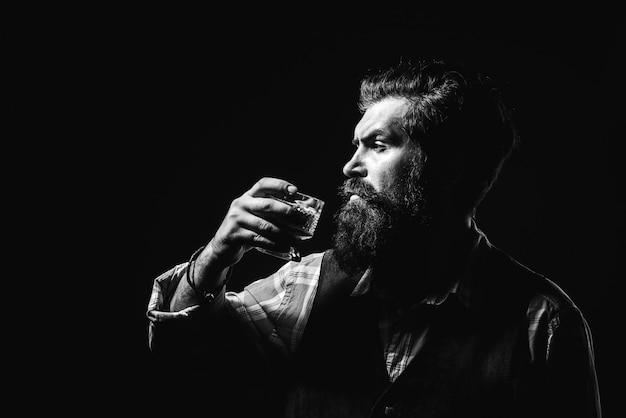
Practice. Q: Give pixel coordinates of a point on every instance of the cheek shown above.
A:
(394, 172)
(389, 168)
(384, 180)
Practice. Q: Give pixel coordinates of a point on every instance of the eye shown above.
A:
(378, 146)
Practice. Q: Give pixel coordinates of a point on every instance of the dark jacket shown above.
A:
(476, 360)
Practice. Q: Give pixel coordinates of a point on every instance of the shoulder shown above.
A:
(307, 269)
(539, 288)
(309, 261)
(304, 272)
(516, 287)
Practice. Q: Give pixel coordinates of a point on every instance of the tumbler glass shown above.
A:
(310, 208)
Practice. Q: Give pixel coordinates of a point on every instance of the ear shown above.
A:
(449, 170)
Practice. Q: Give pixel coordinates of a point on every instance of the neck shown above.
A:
(429, 263)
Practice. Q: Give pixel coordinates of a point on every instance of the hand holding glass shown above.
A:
(310, 208)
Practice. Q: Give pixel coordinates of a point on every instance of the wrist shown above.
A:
(209, 267)
(204, 275)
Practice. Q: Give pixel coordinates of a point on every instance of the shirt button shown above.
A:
(389, 411)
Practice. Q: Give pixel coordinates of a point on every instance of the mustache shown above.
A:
(358, 187)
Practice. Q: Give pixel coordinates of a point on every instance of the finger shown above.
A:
(254, 239)
(271, 209)
(264, 206)
(269, 186)
(159, 316)
(265, 228)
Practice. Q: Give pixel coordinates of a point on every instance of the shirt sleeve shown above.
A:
(571, 369)
(274, 309)
(561, 341)
(277, 308)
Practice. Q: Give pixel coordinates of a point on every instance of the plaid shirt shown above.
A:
(276, 309)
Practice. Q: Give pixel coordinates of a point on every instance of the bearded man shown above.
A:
(412, 312)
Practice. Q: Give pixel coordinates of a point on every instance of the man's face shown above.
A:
(383, 147)
(384, 199)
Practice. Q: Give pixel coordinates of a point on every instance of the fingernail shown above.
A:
(291, 189)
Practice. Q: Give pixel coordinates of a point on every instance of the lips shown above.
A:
(355, 189)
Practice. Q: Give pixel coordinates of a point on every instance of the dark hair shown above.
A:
(453, 112)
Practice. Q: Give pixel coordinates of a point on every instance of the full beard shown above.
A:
(380, 228)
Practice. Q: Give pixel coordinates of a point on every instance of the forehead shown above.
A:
(386, 115)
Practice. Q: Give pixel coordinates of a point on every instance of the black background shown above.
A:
(177, 112)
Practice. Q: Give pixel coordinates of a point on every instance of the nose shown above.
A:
(355, 167)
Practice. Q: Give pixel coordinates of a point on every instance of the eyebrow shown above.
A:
(389, 135)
